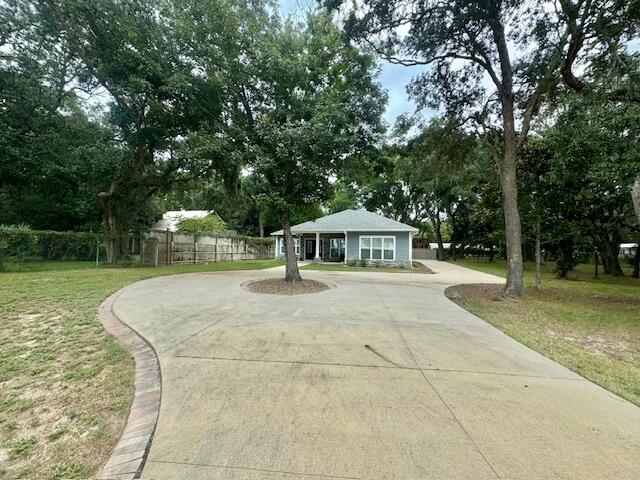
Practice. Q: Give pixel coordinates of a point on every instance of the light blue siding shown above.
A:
(280, 239)
(402, 244)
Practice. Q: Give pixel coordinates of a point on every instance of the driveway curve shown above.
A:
(381, 377)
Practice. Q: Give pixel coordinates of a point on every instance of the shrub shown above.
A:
(129, 262)
(258, 242)
(627, 260)
(564, 264)
(24, 244)
(209, 224)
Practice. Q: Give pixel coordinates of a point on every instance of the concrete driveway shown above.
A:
(381, 377)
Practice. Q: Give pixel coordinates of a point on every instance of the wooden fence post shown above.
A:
(215, 251)
(156, 256)
(170, 247)
(195, 251)
(166, 244)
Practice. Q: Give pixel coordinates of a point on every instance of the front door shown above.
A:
(309, 249)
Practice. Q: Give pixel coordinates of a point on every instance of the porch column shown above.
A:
(317, 257)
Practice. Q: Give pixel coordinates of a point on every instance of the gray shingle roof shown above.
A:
(350, 220)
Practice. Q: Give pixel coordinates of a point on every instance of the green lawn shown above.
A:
(591, 326)
(50, 265)
(65, 385)
(341, 267)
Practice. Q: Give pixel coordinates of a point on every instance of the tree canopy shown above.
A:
(115, 111)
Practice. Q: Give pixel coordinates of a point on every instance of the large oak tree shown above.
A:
(493, 62)
(304, 102)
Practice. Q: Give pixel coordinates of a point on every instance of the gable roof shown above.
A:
(350, 220)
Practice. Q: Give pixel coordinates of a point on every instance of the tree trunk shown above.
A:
(261, 223)
(635, 196)
(538, 257)
(636, 261)
(292, 273)
(514, 286)
(508, 170)
(437, 228)
(609, 256)
(111, 242)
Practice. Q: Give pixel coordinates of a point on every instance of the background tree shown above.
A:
(306, 102)
(51, 151)
(344, 198)
(523, 49)
(158, 103)
(434, 169)
(594, 161)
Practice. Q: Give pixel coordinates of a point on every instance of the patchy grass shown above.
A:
(65, 384)
(48, 265)
(591, 326)
(341, 267)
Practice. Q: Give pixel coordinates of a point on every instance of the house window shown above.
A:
(297, 246)
(336, 247)
(377, 248)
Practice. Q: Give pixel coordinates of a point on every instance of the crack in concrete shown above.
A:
(446, 405)
(254, 469)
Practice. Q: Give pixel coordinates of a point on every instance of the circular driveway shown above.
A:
(381, 377)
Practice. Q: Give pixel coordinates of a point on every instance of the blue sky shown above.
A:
(394, 78)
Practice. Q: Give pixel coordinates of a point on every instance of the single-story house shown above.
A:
(351, 235)
(627, 249)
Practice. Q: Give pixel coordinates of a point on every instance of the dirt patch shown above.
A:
(476, 292)
(279, 286)
(479, 291)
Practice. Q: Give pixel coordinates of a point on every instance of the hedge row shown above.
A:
(25, 244)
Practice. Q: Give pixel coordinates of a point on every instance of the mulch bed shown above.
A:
(279, 286)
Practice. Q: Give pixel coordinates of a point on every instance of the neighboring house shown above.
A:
(627, 249)
(351, 235)
(445, 245)
(171, 219)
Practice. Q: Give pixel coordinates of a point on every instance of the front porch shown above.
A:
(318, 247)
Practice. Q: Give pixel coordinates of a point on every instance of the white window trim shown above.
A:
(371, 237)
(296, 242)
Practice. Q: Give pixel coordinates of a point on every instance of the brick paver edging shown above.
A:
(128, 456)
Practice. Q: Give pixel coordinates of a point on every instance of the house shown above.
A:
(172, 218)
(445, 245)
(351, 235)
(627, 249)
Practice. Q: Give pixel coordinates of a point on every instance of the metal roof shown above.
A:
(350, 220)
